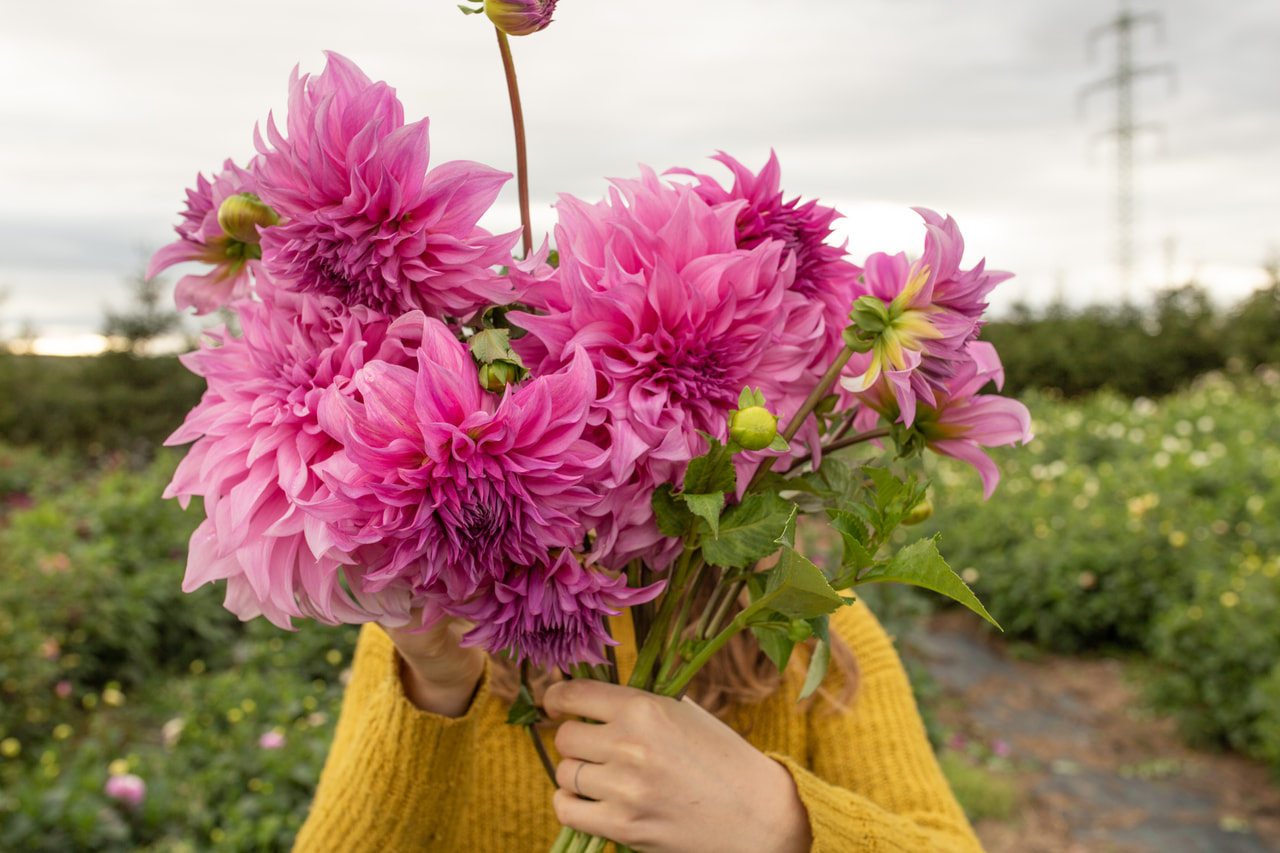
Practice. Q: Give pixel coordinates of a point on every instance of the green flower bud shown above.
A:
(870, 315)
(241, 214)
(753, 428)
(920, 512)
(498, 375)
(799, 630)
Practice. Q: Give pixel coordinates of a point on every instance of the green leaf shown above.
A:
(821, 628)
(774, 642)
(670, 513)
(795, 587)
(523, 712)
(711, 472)
(779, 443)
(490, 345)
(857, 554)
(707, 507)
(921, 565)
(817, 669)
(748, 531)
(750, 397)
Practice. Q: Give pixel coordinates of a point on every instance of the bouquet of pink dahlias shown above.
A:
(415, 424)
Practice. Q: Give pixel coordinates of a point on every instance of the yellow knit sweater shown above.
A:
(399, 779)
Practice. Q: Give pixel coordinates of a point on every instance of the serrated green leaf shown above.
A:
(669, 511)
(490, 345)
(748, 531)
(921, 565)
(707, 507)
(817, 669)
(887, 485)
(711, 472)
(774, 643)
(523, 712)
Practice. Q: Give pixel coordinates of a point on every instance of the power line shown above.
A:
(1122, 28)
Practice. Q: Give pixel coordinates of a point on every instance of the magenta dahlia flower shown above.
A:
(202, 239)
(961, 421)
(444, 487)
(552, 613)
(364, 219)
(929, 310)
(520, 17)
(256, 441)
(677, 320)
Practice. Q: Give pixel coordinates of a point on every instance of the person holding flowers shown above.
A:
(554, 490)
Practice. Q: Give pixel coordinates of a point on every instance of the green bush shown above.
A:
(1147, 526)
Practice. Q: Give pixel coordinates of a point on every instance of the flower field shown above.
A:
(1150, 526)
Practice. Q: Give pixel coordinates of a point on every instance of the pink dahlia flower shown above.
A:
(127, 789)
(961, 421)
(365, 221)
(932, 310)
(201, 239)
(256, 441)
(677, 320)
(520, 17)
(442, 487)
(271, 740)
(552, 613)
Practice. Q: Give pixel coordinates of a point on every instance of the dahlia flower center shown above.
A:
(694, 373)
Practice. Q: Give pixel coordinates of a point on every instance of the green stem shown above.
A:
(597, 844)
(652, 647)
(563, 840)
(676, 685)
(538, 745)
(522, 157)
(849, 441)
(806, 408)
(580, 842)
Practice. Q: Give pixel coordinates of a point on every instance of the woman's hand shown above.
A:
(662, 775)
(439, 675)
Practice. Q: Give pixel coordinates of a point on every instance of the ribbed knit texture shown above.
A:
(398, 779)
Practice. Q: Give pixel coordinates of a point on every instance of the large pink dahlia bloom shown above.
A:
(441, 487)
(256, 439)
(552, 613)
(365, 221)
(677, 320)
(202, 240)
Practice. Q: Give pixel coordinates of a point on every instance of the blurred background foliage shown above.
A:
(1142, 520)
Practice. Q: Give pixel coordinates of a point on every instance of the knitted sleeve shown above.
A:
(872, 781)
(394, 775)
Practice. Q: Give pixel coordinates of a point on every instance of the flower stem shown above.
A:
(538, 745)
(653, 643)
(848, 441)
(522, 157)
(563, 840)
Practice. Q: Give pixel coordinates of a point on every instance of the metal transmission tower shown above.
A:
(1123, 26)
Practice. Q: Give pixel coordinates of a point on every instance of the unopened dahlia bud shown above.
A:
(241, 214)
(498, 375)
(920, 512)
(520, 17)
(753, 427)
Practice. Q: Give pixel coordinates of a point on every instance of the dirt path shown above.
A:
(1096, 774)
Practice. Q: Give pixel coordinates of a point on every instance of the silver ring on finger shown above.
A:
(576, 775)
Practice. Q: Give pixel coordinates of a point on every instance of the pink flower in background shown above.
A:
(202, 239)
(271, 740)
(127, 789)
(677, 320)
(443, 487)
(365, 221)
(961, 421)
(552, 612)
(520, 17)
(63, 689)
(256, 437)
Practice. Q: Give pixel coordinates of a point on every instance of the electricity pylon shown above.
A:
(1126, 128)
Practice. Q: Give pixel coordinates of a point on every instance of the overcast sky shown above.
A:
(111, 107)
